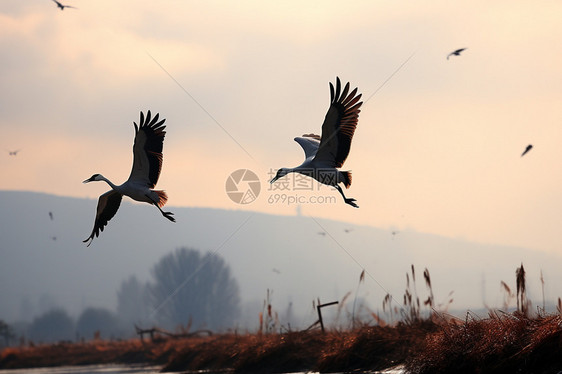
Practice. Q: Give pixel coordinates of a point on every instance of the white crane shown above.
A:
(326, 154)
(147, 163)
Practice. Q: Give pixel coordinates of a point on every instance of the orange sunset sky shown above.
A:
(437, 148)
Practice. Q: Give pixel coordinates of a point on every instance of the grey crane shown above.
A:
(325, 154)
(147, 164)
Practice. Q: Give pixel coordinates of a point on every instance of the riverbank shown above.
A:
(499, 343)
(368, 348)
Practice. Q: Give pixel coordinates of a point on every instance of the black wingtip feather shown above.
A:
(345, 105)
(345, 90)
(338, 89)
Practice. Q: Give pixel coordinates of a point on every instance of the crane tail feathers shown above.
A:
(162, 198)
(346, 178)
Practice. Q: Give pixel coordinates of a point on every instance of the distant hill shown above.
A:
(299, 258)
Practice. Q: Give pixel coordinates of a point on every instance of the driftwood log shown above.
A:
(155, 331)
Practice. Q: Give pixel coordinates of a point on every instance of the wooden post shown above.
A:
(318, 308)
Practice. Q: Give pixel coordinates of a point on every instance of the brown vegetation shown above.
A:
(368, 348)
(96, 352)
(502, 343)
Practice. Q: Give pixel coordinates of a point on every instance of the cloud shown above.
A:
(431, 144)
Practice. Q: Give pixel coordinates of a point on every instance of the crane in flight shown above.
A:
(325, 154)
(527, 149)
(455, 53)
(62, 6)
(147, 164)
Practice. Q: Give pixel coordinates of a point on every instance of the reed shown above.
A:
(361, 280)
(522, 303)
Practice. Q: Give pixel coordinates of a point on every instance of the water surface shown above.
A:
(89, 369)
(129, 369)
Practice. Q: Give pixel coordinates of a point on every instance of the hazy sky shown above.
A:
(437, 149)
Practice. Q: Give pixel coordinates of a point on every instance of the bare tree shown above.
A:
(6, 332)
(132, 301)
(97, 322)
(191, 289)
(55, 325)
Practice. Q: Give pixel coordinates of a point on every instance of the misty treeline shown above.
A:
(187, 290)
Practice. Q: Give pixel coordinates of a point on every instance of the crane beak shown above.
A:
(87, 180)
(274, 179)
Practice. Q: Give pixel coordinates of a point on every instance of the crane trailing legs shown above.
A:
(147, 164)
(325, 154)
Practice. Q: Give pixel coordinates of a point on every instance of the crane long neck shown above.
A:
(110, 183)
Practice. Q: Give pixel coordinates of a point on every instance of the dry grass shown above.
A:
(367, 348)
(502, 342)
(498, 344)
(98, 352)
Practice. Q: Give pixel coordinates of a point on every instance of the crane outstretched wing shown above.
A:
(339, 125)
(108, 204)
(309, 143)
(147, 150)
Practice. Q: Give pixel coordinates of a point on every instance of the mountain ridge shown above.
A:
(297, 258)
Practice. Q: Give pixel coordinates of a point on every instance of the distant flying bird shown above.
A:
(147, 164)
(347, 231)
(323, 233)
(62, 6)
(455, 53)
(14, 153)
(529, 147)
(326, 154)
(51, 215)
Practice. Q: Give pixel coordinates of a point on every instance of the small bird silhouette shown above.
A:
(14, 153)
(323, 233)
(529, 147)
(62, 6)
(51, 215)
(454, 53)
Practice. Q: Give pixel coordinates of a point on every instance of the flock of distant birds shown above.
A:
(324, 156)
